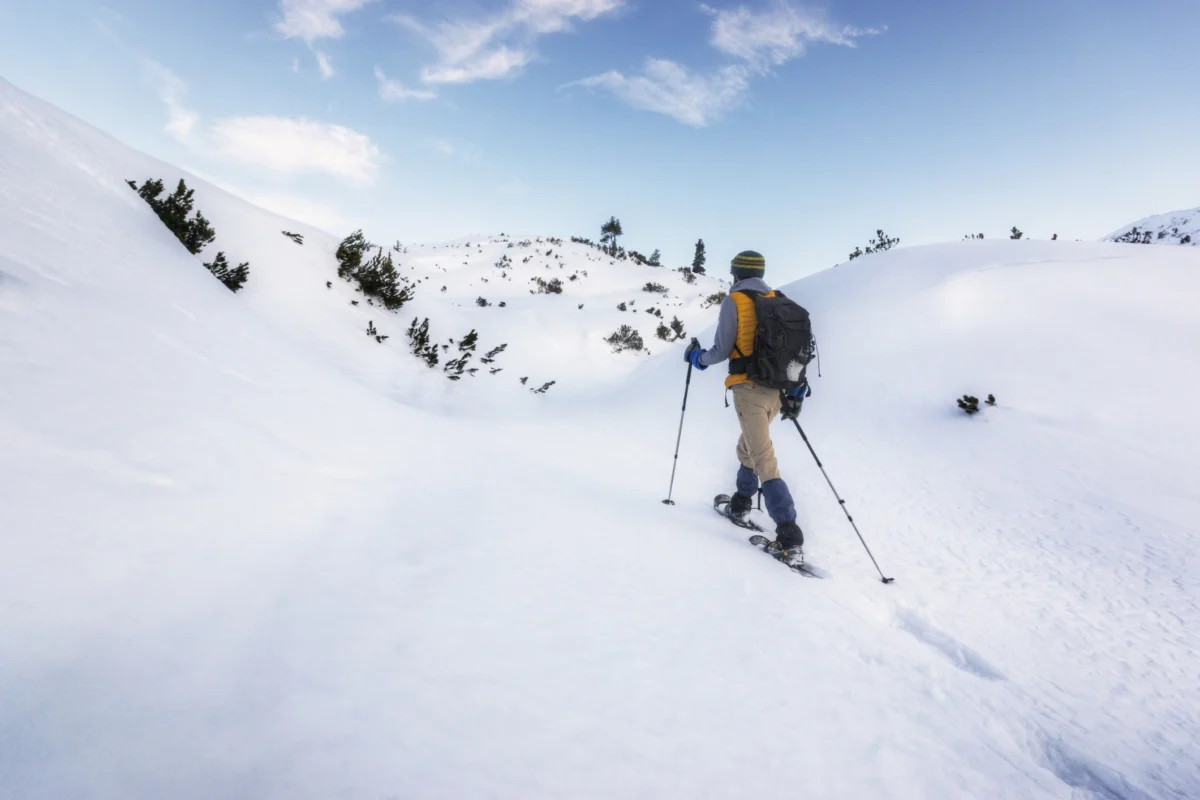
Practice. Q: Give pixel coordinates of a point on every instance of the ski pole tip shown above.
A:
(889, 580)
(668, 502)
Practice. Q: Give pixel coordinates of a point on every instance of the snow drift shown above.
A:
(246, 551)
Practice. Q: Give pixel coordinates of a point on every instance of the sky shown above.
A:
(795, 130)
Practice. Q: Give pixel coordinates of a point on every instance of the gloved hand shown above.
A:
(693, 353)
(793, 400)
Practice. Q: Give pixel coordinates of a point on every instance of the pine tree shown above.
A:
(233, 279)
(194, 234)
(350, 253)
(1016, 233)
(418, 342)
(700, 258)
(609, 232)
(655, 259)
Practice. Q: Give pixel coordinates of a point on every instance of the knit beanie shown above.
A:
(748, 264)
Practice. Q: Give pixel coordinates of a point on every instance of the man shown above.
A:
(756, 406)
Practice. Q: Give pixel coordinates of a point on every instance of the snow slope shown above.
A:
(1177, 227)
(240, 558)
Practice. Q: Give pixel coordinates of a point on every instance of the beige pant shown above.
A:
(756, 409)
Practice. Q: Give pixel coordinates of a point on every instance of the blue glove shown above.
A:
(793, 401)
(693, 357)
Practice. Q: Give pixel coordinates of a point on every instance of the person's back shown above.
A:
(756, 406)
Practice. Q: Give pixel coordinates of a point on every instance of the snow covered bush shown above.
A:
(298, 238)
(969, 404)
(688, 276)
(1016, 233)
(625, 338)
(714, 299)
(656, 288)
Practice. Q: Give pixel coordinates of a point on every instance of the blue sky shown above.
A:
(793, 129)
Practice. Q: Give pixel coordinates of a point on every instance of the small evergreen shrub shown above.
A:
(689, 277)
(482, 302)
(655, 288)
(1134, 236)
(1016, 233)
(545, 387)
(554, 286)
(880, 244)
(714, 299)
(625, 338)
(419, 344)
(174, 210)
(298, 238)
(969, 404)
(234, 278)
(377, 278)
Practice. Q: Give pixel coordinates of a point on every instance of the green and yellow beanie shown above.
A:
(748, 264)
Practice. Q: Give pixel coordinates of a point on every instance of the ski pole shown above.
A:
(679, 438)
(841, 502)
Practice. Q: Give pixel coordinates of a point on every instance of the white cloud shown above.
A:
(394, 91)
(773, 37)
(311, 20)
(672, 89)
(501, 44)
(324, 64)
(296, 146)
(761, 40)
(172, 91)
(499, 63)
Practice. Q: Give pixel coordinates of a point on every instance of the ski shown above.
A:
(721, 506)
(807, 570)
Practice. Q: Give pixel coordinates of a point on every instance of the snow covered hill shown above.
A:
(1177, 227)
(247, 552)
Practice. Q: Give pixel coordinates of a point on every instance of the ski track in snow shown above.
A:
(247, 552)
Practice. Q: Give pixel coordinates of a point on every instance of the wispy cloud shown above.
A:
(324, 64)
(672, 89)
(501, 44)
(292, 146)
(171, 89)
(773, 37)
(396, 92)
(310, 20)
(759, 40)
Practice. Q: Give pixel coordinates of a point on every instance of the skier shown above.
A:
(756, 406)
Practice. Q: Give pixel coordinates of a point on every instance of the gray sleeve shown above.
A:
(727, 327)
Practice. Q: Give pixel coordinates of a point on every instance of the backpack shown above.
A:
(783, 342)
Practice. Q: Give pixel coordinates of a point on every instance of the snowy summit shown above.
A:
(1177, 227)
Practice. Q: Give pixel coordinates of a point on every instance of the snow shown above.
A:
(246, 551)
(1174, 228)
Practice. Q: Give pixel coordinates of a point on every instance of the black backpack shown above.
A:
(783, 343)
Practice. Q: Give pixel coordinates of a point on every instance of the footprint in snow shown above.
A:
(955, 651)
